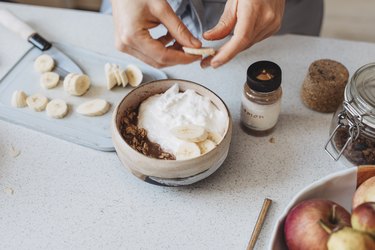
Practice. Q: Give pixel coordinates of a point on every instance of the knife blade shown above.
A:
(64, 65)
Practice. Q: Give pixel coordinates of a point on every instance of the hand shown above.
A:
(134, 18)
(251, 22)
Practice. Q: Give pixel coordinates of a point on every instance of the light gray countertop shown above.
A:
(67, 196)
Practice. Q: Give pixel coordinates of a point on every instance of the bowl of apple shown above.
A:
(335, 212)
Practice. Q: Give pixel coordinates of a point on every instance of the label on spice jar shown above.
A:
(259, 117)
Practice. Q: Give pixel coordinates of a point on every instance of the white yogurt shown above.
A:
(160, 113)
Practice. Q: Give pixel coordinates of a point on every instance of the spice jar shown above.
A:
(352, 133)
(261, 99)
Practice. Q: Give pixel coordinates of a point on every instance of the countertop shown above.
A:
(58, 195)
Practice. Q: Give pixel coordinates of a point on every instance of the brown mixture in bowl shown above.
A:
(137, 137)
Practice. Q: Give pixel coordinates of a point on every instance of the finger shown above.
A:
(206, 62)
(242, 38)
(167, 38)
(226, 23)
(142, 57)
(163, 55)
(175, 26)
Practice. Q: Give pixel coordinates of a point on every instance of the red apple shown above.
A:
(363, 218)
(309, 224)
(365, 192)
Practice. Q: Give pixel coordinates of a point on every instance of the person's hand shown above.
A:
(134, 18)
(250, 20)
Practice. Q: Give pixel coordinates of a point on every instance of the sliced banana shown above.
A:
(76, 84)
(116, 71)
(201, 51)
(134, 74)
(191, 133)
(37, 102)
(110, 76)
(19, 99)
(44, 63)
(123, 77)
(187, 150)
(206, 146)
(57, 108)
(49, 80)
(215, 137)
(94, 107)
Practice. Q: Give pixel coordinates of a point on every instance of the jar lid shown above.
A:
(264, 76)
(360, 93)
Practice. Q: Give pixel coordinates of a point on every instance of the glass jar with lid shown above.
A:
(352, 132)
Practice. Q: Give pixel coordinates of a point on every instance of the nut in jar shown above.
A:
(352, 133)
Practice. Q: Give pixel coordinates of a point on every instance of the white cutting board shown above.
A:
(92, 132)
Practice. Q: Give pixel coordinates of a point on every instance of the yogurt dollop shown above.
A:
(159, 114)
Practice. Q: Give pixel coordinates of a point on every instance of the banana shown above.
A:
(134, 74)
(37, 102)
(94, 107)
(187, 150)
(215, 137)
(191, 133)
(110, 76)
(57, 108)
(76, 84)
(49, 80)
(201, 51)
(206, 146)
(116, 72)
(19, 99)
(44, 63)
(123, 77)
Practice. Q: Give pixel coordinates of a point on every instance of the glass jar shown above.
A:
(261, 98)
(352, 132)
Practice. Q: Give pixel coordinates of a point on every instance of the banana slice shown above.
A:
(49, 80)
(187, 150)
(123, 77)
(19, 99)
(94, 107)
(44, 63)
(134, 74)
(116, 72)
(57, 108)
(201, 51)
(215, 137)
(191, 133)
(76, 84)
(110, 76)
(37, 102)
(206, 146)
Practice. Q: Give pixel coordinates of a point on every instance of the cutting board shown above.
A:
(93, 132)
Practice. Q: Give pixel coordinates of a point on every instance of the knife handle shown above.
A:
(11, 22)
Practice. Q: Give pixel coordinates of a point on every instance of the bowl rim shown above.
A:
(115, 115)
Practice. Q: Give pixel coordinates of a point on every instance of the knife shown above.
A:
(64, 65)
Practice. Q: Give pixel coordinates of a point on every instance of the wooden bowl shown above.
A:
(168, 172)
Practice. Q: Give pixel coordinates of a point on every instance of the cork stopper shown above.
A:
(324, 85)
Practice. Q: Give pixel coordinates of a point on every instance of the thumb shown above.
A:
(226, 23)
(177, 28)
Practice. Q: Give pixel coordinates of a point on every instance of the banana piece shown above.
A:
(44, 63)
(187, 150)
(123, 77)
(206, 146)
(57, 108)
(215, 137)
(94, 107)
(134, 74)
(19, 99)
(201, 51)
(49, 80)
(37, 102)
(191, 133)
(110, 76)
(116, 71)
(76, 84)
